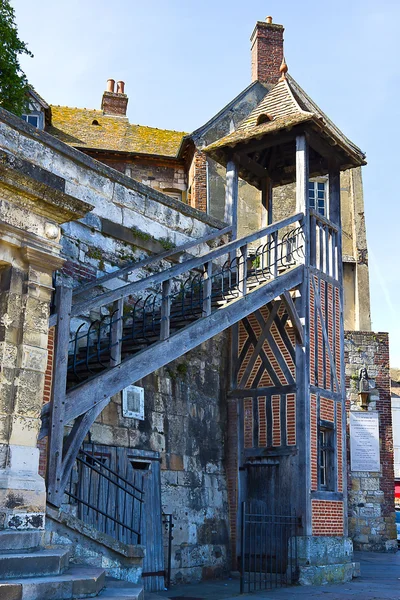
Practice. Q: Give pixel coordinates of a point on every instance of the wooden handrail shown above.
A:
(193, 263)
(323, 220)
(131, 267)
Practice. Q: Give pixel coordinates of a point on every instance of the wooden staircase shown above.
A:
(146, 324)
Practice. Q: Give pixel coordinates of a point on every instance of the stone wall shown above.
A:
(185, 416)
(371, 495)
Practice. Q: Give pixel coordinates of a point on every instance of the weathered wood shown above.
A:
(334, 196)
(109, 382)
(207, 289)
(262, 391)
(313, 240)
(175, 271)
(73, 443)
(258, 345)
(116, 333)
(301, 174)
(251, 165)
(134, 266)
(56, 432)
(231, 196)
(293, 316)
(165, 310)
(325, 335)
(242, 270)
(323, 220)
(303, 459)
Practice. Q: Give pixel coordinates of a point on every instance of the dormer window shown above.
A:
(95, 122)
(264, 118)
(31, 119)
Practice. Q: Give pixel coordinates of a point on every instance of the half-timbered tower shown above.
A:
(287, 393)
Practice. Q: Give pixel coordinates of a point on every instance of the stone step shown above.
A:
(122, 590)
(20, 541)
(77, 582)
(48, 561)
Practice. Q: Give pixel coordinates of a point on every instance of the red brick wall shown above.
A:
(42, 444)
(327, 517)
(266, 52)
(199, 183)
(314, 442)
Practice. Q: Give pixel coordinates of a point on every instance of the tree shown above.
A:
(13, 81)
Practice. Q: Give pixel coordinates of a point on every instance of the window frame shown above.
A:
(313, 187)
(326, 457)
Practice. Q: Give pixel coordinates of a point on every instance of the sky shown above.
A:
(182, 61)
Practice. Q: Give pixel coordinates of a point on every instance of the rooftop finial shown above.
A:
(268, 20)
(283, 70)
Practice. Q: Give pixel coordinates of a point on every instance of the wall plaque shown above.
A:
(364, 441)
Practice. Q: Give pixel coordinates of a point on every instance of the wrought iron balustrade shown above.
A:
(106, 498)
(138, 320)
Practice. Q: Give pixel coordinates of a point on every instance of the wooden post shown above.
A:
(335, 216)
(165, 309)
(116, 332)
(56, 434)
(302, 353)
(266, 214)
(242, 271)
(231, 197)
(207, 289)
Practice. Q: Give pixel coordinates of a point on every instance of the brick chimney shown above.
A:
(266, 51)
(114, 103)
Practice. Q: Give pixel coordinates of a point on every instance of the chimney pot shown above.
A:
(110, 85)
(266, 51)
(120, 87)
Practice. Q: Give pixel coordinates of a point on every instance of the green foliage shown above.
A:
(13, 81)
(166, 243)
(95, 253)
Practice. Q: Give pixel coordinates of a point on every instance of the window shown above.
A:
(31, 119)
(317, 196)
(326, 459)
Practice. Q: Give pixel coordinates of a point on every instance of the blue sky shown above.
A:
(182, 61)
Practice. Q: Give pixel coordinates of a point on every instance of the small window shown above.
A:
(317, 196)
(95, 122)
(264, 118)
(326, 459)
(31, 119)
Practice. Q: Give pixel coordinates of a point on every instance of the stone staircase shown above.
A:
(29, 571)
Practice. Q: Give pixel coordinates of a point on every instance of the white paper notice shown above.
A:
(364, 441)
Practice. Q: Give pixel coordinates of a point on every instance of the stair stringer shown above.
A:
(86, 401)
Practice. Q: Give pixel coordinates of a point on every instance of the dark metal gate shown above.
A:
(118, 491)
(268, 548)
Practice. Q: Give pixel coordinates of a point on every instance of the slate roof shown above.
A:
(286, 105)
(74, 126)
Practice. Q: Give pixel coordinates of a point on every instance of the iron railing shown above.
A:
(268, 549)
(104, 498)
(141, 319)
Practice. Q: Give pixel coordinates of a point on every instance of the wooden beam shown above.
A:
(231, 196)
(251, 165)
(302, 174)
(293, 316)
(57, 423)
(176, 270)
(111, 381)
(325, 335)
(267, 142)
(131, 267)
